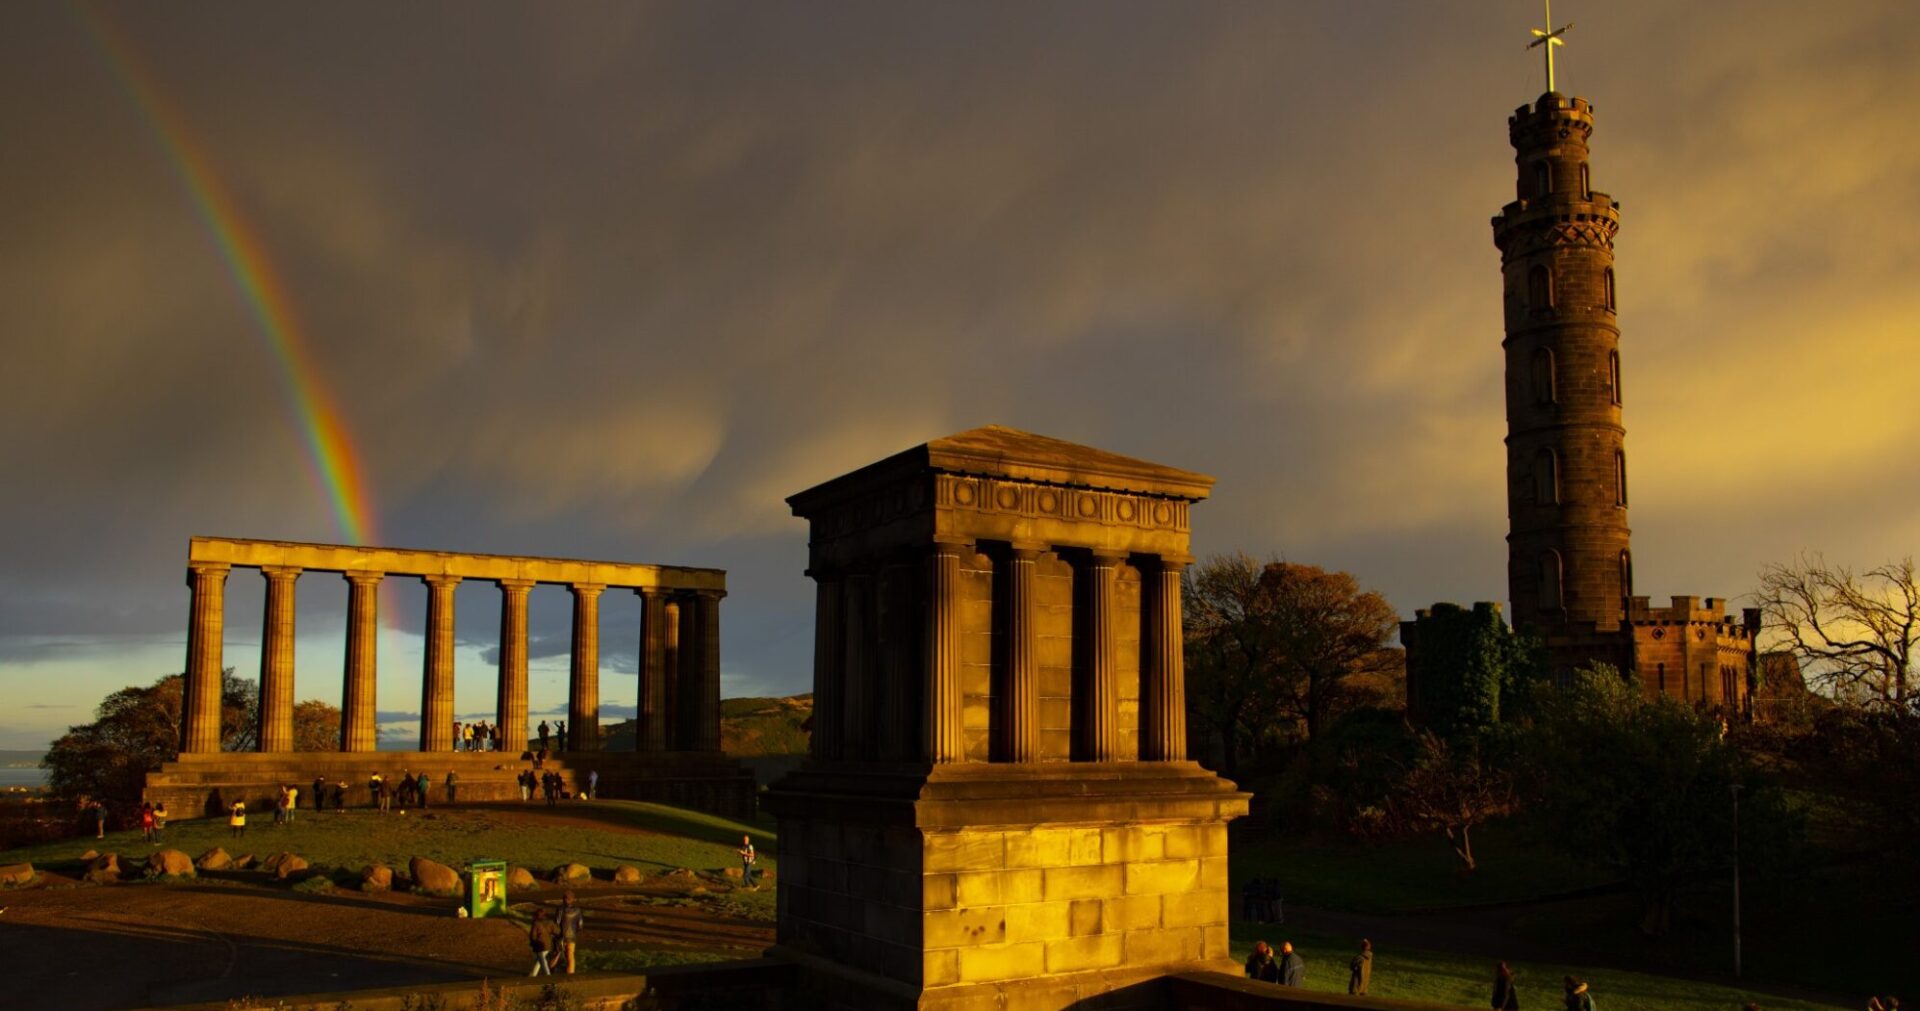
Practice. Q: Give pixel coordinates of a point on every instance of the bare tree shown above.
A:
(1227, 633)
(1450, 789)
(1853, 633)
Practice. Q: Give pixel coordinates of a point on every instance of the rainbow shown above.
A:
(335, 465)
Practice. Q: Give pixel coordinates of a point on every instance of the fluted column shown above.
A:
(942, 734)
(357, 703)
(436, 681)
(650, 722)
(686, 702)
(1163, 717)
(857, 730)
(706, 605)
(511, 703)
(893, 607)
(583, 685)
(206, 633)
(1102, 742)
(1020, 723)
(670, 665)
(276, 660)
(827, 628)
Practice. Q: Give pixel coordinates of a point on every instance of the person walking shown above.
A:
(1505, 996)
(293, 801)
(747, 859)
(541, 937)
(159, 820)
(1360, 970)
(453, 785)
(340, 797)
(146, 822)
(99, 812)
(593, 784)
(1578, 999)
(1260, 964)
(1293, 969)
(280, 806)
(571, 920)
(376, 788)
(525, 780)
(237, 818)
(543, 735)
(421, 786)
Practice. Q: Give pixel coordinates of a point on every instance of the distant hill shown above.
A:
(20, 759)
(748, 727)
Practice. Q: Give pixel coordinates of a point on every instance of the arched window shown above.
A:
(1550, 581)
(1542, 179)
(1586, 186)
(1539, 287)
(1609, 279)
(1543, 388)
(1613, 374)
(1546, 478)
(1663, 679)
(1626, 574)
(1620, 478)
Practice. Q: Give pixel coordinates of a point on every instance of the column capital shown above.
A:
(516, 584)
(710, 594)
(441, 579)
(360, 577)
(1028, 551)
(952, 545)
(1174, 563)
(207, 569)
(824, 573)
(587, 589)
(650, 592)
(281, 571)
(1108, 558)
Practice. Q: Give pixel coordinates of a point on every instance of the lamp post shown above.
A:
(1736, 881)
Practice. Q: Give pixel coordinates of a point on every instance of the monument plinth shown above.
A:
(998, 810)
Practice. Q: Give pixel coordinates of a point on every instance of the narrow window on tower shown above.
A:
(1609, 279)
(1663, 679)
(1626, 574)
(1540, 287)
(1620, 478)
(1542, 179)
(1550, 582)
(1613, 374)
(1546, 478)
(1586, 187)
(1543, 390)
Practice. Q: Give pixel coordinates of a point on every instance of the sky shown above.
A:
(611, 281)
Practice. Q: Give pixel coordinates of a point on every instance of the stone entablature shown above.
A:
(679, 696)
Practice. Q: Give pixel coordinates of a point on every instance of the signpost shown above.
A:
(487, 888)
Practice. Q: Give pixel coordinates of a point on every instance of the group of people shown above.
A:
(476, 736)
(1288, 969)
(553, 786)
(558, 734)
(552, 938)
(153, 821)
(1260, 901)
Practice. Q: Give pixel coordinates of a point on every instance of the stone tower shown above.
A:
(1568, 563)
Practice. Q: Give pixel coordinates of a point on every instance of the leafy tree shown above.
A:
(1470, 663)
(1854, 633)
(1227, 630)
(1449, 788)
(1644, 787)
(1327, 630)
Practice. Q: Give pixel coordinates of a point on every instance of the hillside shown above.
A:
(20, 759)
(748, 727)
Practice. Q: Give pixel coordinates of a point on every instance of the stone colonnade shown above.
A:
(679, 683)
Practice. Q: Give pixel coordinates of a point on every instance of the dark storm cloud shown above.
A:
(611, 282)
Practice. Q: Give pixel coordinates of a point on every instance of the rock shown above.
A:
(104, 869)
(90, 855)
(170, 864)
(241, 863)
(569, 873)
(433, 878)
(16, 875)
(679, 872)
(732, 872)
(288, 865)
(272, 863)
(215, 859)
(376, 878)
(519, 879)
(625, 875)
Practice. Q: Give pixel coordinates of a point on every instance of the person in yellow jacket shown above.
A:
(237, 818)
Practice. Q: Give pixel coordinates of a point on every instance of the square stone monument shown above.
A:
(998, 810)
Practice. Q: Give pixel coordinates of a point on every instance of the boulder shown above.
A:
(215, 859)
(104, 869)
(626, 875)
(732, 872)
(170, 864)
(243, 862)
(288, 865)
(567, 874)
(519, 879)
(433, 878)
(376, 878)
(272, 863)
(90, 855)
(15, 875)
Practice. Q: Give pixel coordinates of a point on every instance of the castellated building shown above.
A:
(1569, 560)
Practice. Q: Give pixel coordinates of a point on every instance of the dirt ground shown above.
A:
(233, 935)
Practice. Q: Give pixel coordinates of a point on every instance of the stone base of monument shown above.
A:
(1035, 885)
(205, 785)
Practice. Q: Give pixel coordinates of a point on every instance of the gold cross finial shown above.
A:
(1548, 39)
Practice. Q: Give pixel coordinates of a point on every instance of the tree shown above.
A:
(1325, 629)
(1853, 633)
(1226, 630)
(1450, 788)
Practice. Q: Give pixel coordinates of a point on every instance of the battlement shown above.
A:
(1690, 610)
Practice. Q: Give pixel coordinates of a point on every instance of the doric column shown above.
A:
(363, 644)
(893, 609)
(1102, 706)
(436, 682)
(827, 628)
(670, 664)
(583, 686)
(856, 704)
(206, 631)
(1020, 722)
(276, 660)
(651, 720)
(686, 671)
(1163, 716)
(512, 693)
(706, 605)
(942, 734)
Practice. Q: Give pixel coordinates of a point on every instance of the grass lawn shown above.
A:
(1406, 875)
(1411, 974)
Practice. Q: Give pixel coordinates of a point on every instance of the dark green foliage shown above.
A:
(1470, 664)
(134, 731)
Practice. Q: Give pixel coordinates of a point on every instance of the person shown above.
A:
(375, 788)
(593, 784)
(543, 735)
(1275, 913)
(453, 784)
(159, 820)
(319, 793)
(747, 858)
(237, 818)
(420, 786)
(541, 936)
(525, 779)
(280, 806)
(1260, 964)
(571, 919)
(405, 789)
(1360, 970)
(293, 801)
(1293, 969)
(551, 783)
(456, 735)
(339, 796)
(560, 735)
(99, 812)
(1578, 999)
(146, 822)
(1249, 911)
(1505, 996)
